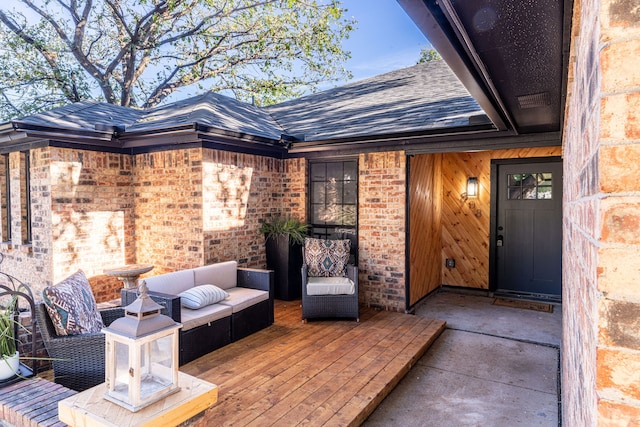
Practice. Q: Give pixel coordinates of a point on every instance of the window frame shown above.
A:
(327, 230)
(25, 205)
(6, 210)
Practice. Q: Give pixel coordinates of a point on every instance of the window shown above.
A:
(529, 186)
(5, 197)
(334, 201)
(25, 197)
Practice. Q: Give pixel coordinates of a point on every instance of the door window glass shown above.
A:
(531, 186)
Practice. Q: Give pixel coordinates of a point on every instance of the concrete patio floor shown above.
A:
(492, 366)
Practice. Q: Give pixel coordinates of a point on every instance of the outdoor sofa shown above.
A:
(239, 303)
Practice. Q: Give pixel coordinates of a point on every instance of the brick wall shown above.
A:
(91, 206)
(200, 206)
(294, 189)
(240, 190)
(30, 263)
(81, 216)
(601, 340)
(169, 209)
(381, 229)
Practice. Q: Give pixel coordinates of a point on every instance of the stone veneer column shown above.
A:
(601, 296)
(381, 229)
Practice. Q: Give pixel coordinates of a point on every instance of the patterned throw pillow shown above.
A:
(72, 307)
(326, 258)
(202, 296)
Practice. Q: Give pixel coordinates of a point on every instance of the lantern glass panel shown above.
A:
(155, 364)
(121, 385)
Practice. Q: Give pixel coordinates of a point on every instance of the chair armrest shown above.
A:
(304, 270)
(352, 273)
(111, 314)
(170, 303)
(63, 346)
(256, 278)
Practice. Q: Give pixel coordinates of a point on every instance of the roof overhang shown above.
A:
(20, 136)
(511, 55)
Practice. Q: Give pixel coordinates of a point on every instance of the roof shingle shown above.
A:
(423, 97)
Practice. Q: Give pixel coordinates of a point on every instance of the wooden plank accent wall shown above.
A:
(465, 224)
(425, 224)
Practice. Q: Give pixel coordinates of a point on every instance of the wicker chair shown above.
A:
(325, 306)
(331, 304)
(78, 360)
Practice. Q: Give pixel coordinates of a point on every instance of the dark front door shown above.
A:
(527, 237)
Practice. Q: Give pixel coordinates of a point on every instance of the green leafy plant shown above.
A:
(7, 329)
(285, 226)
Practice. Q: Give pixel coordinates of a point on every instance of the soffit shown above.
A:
(511, 55)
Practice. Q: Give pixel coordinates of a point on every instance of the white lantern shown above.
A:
(141, 365)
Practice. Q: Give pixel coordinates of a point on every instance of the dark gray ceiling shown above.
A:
(511, 55)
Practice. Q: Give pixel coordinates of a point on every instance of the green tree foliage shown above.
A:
(428, 54)
(138, 52)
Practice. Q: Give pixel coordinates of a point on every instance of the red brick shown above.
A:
(621, 75)
(619, 373)
(618, 271)
(614, 414)
(615, 173)
(621, 221)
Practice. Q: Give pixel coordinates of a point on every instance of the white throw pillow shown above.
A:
(202, 296)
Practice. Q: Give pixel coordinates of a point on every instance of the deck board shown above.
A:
(327, 372)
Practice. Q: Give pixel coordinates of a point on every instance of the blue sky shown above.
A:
(385, 38)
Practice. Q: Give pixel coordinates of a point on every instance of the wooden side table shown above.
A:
(129, 273)
(89, 408)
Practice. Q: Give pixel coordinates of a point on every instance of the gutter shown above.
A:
(460, 141)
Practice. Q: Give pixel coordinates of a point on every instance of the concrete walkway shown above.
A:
(492, 366)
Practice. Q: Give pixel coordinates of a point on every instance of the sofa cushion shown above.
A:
(72, 307)
(171, 283)
(222, 274)
(201, 296)
(330, 286)
(326, 258)
(194, 318)
(241, 298)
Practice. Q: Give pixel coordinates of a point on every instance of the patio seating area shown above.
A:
(322, 372)
(327, 372)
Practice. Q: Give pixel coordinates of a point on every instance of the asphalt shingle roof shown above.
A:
(84, 115)
(214, 110)
(425, 96)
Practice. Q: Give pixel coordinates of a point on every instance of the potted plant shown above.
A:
(284, 237)
(9, 357)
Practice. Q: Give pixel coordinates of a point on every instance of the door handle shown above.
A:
(500, 241)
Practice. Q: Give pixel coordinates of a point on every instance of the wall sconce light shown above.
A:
(472, 186)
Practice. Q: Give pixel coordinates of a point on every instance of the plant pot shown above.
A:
(9, 366)
(285, 259)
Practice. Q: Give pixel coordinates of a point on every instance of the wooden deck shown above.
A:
(329, 372)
